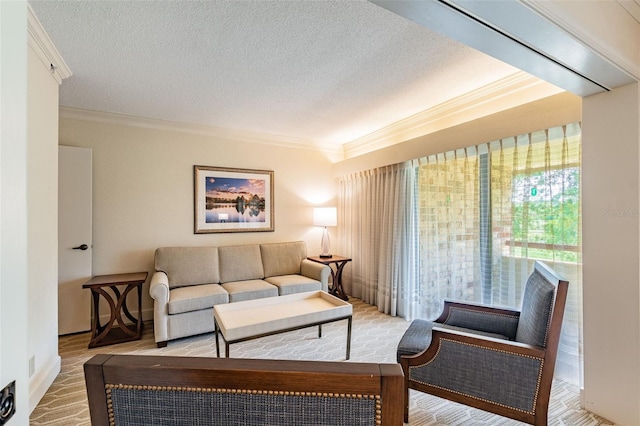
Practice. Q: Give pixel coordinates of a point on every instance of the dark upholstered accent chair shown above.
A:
(136, 390)
(497, 360)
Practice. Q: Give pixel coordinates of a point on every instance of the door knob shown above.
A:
(81, 247)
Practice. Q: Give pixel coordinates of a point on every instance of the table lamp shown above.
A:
(325, 216)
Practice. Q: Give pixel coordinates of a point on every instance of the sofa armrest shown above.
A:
(159, 288)
(159, 291)
(316, 271)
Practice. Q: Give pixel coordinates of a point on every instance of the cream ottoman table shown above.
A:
(251, 319)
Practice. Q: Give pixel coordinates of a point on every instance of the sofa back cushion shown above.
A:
(239, 263)
(283, 258)
(188, 265)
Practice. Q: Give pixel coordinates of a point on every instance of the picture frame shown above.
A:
(232, 200)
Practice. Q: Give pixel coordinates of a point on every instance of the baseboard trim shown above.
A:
(40, 383)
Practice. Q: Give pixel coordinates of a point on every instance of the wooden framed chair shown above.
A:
(497, 360)
(141, 390)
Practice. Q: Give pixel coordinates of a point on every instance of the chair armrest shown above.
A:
(479, 317)
(478, 307)
(463, 367)
(159, 288)
(316, 271)
(460, 337)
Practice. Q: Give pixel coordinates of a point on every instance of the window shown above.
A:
(487, 213)
(546, 212)
(469, 224)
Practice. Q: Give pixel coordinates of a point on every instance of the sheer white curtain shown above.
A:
(449, 242)
(487, 213)
(378, 231)
(536, 215)
(469, 224)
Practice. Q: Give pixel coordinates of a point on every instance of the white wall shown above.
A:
(611, 254)
(143, 191)
(42, 220)
(13, 204)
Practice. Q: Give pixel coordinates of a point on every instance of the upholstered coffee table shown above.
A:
(251, 319)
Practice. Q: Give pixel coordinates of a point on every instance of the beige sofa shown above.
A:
(189, 281)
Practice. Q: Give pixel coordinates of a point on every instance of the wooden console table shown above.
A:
(336, 275)
(115, 330)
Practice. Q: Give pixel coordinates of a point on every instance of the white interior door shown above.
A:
(74, 238)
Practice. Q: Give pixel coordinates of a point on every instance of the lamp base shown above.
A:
(325, 245)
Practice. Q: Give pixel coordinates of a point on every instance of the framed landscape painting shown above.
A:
(232, 200)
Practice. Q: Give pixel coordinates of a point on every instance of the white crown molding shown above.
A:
(45, 49)
(334, 151)
(508, 92)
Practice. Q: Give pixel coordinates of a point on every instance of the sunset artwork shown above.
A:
(233, 200)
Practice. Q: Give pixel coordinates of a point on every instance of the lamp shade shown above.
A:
(325, 216)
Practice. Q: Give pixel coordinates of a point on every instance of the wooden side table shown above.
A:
(115, 330)
(338, 263)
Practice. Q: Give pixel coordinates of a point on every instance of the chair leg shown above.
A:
(540, 418)
(406, 400)
(405, 371)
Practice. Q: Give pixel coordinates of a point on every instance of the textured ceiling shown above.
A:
(320, 71)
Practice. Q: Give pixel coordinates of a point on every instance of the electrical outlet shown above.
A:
(32, 365)
(7, 402)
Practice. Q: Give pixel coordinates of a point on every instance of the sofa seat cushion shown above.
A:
(249, 290)
(290, 284)
(196, 297)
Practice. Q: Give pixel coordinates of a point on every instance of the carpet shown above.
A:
(375, 337)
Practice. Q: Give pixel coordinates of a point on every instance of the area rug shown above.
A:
(375, 337)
